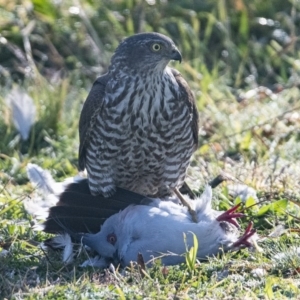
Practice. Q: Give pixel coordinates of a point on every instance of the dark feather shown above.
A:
(81, 186)
(78, 194)
(78, 211)
(116, 203)
(72, 224)
(188, 98)
(89, 112)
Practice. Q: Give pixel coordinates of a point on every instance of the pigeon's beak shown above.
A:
(176, 55)
(116, 258)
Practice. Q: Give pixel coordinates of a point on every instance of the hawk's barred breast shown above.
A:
(142, 125)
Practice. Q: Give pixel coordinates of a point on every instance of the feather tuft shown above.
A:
(68, 250)
(61, 241)
(23, 111)
(41, 178)
(96, 262)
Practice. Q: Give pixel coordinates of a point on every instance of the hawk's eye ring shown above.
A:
(111, 238)
(156, 47)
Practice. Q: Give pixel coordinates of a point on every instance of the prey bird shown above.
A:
(139, 124)
(153, 228)
(126, 224)
(157, 230)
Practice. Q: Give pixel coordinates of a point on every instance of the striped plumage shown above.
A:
(138, 127)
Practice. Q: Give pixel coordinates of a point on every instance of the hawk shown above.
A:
(139, 125)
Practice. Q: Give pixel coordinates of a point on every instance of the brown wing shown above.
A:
(188, 98)
(89, 112)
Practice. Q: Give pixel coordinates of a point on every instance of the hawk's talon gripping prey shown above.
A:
(187, 204)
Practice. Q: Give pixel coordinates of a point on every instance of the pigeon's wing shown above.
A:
(78, 211)
(90, 110)
(75, 219)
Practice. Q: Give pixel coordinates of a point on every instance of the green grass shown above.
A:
(227, 52)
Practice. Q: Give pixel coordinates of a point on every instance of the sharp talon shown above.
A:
(193, 215)
(187, 204)
(230, 216)
(243, 240)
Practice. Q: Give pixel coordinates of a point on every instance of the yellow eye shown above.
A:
(156, 47)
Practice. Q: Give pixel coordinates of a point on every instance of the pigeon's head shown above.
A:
(112, 241)
(145, 52)
(105, 242)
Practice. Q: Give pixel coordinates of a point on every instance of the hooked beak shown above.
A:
(176, 55)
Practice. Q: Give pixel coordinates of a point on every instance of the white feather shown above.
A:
(62, 241)
(97, 262)
(23, 111)
(68, 250)
(38, 207)
(49, 190)
(41, 178)
(243, 191)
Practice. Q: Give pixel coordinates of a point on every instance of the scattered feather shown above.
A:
(68, 250)
(23, 111)
(259, 272)
(38, 207)
(62, 242)
(241, 190)
(112, 268)
(44, 182)
(97, 262)
(41, 178)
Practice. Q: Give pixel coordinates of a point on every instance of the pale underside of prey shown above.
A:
(157, 229)
(152, 227)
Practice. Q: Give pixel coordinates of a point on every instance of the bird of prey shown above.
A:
(139, 124)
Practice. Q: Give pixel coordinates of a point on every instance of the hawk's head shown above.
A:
(145, 52)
